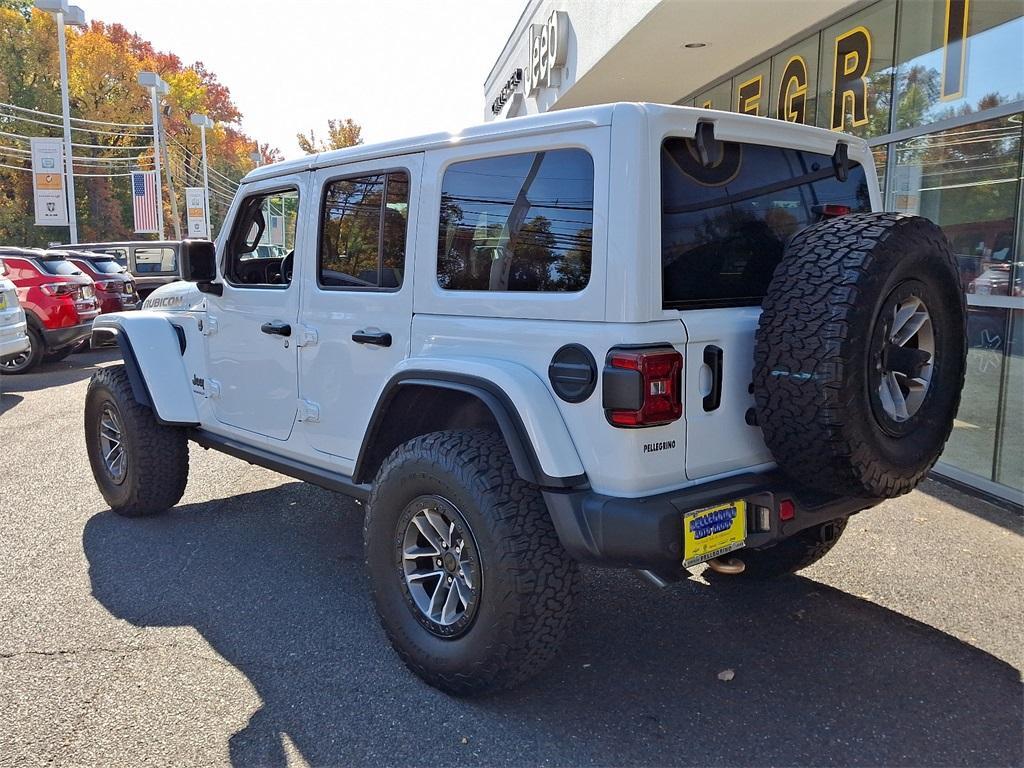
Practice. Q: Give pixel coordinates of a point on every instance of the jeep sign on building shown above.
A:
(936, 87)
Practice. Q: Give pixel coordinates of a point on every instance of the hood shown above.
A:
(178, 296)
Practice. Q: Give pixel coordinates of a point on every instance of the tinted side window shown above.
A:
(363, 230)
(724, 226)
(517, 223)
(121, 254)
(156, 261)
(59, 267)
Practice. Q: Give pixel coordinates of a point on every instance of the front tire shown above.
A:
(140, 465)
(512, 584)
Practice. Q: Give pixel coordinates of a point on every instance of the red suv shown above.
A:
(115, 287)
(59, 302)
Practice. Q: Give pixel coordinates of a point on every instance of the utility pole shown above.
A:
(170, 190)
(157, 87)
(71, 15)
(204, 122)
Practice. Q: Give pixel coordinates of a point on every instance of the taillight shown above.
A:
(787, 509)
(643, 387)
(113, 286)
(60, 289)
(832, 210)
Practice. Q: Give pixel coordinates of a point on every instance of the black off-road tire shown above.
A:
(818, 353)
(157, 454)
(35, 354)
(793, 554)
(529, 581)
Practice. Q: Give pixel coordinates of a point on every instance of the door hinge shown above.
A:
(308, 336)
(208, 327)
(309, 411)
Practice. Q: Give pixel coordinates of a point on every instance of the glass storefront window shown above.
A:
(855, 72)
(794, 91)
(751, 90)
(1010, 462)
(967, 180)
(718, 97)
(943, 72)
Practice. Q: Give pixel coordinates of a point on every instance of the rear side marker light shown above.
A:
(787, 509)
(643, 387)
(832, 210)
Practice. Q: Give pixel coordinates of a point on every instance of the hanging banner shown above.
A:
(276, 231)
(144, 202)
(48, 182)
(195, 205)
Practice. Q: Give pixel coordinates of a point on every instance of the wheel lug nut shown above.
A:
(449, 579)
(439, 562)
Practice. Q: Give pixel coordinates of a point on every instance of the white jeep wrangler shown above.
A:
(633, 335)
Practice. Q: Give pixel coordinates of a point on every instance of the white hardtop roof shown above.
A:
(729, 126)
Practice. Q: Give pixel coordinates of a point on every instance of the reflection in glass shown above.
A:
(517, 223)
(1010, 450)
(942, 75)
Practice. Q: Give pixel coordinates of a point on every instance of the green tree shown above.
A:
(340, 134)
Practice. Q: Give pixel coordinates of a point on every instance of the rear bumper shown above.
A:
(63, 337)
(647, 532)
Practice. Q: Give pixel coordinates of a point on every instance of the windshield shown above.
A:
(724, 225)
(58, 266)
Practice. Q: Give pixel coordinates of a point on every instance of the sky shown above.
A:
(396, 67)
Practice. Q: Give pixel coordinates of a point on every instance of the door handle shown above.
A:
(379, 338)
(713, 360)
(277, 329)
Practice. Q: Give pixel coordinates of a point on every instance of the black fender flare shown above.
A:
(501, 408)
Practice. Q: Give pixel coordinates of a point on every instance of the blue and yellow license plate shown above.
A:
(713, 531)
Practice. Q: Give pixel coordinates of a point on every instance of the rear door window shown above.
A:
(725, 225)
(521, 222)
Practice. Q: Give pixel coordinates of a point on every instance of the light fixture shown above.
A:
(695, 45)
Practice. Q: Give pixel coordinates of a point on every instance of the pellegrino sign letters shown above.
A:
(548, 48)
(51, 203)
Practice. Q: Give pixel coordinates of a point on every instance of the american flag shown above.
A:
(144, 201)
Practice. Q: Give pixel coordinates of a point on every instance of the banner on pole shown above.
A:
(51, 203)
(195, 204)
(144, 202)
(276, 230)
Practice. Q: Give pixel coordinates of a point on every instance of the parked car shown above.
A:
(13, 337)
(59, 302)
(635, 335)
(115, 286)
(151, 262)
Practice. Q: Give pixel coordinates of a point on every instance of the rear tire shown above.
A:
(23, 362)
(140, 465)
(522, 586)
(793, 554)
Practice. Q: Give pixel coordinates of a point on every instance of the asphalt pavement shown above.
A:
(238, 629)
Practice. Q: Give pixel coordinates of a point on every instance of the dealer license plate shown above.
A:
(713, 531)
(3, 301)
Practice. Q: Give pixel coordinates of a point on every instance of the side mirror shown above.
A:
(198, 260)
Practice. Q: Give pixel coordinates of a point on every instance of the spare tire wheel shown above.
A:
(860, 354)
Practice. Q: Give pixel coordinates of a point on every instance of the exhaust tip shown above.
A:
(728, 567)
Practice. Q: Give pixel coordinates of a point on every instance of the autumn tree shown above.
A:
(340, 134)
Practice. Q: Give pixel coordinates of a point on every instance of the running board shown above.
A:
(332, 481)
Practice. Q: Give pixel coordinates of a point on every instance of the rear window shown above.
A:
(517, 223)
(58, 267)
(724, 227)
(106, 266)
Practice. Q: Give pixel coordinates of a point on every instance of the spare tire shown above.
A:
(860, 354)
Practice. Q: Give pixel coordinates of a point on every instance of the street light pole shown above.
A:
(205, 122)
(157, 87)
(73, 15)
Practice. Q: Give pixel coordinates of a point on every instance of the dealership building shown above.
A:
(936, 87)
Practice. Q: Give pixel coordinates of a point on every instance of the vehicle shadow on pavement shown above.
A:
(71, 369)
(274, 581)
